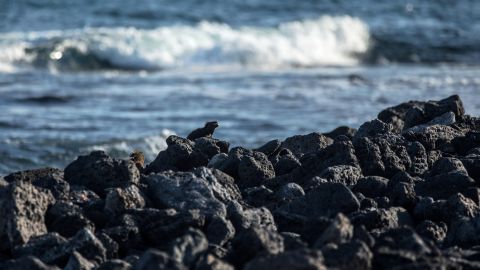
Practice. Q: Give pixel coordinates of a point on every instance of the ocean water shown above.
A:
(121, 75)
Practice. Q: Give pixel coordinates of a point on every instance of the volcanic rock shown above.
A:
(97, 172)
(23, 208)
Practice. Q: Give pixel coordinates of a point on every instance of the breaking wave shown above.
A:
(328, 40)
(150, 146)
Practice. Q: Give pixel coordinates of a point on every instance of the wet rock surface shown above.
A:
(402, 191)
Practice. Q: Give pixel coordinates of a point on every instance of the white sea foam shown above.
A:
(150, 146)
(327, 40)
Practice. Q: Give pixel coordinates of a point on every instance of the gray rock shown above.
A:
(430, 230)
(351, 255)
(126, 238)
(341, 152)
(22, 208)
(463, 232)
(46, 178)
(433, 156)
(367, 203)
(87, 245)
(360, 233)
(396, 115)
(340, 231)
(254, 169)
(270, 147)
(210, 262)
(403, 238)
(111, 246)
(30, 263)
(472, 164)
(381, 219)
(469, 144)
(226, 189)
(341, 131)
(97, 172)
(179, 155)
(327, 199)
(355, 199)
(249, 168)
(304, 144)
(345, 174)
(217, 160)
(293, 241)
(33, 175)
(120, 199)
(190, 190)
(446, 165)
(460, 206)
(451, 104)
(384, 155)
(427, 208)
(153, 259)
(403, 194)
(473, 194)
(300, 259)
(189, 247)
(82, 196)
(289, 192)
(78, 262)
(115, 265)
(424, 112)
(230, 164)
(419, 158)
(373, 128)
(244, 218)
(445, 119)
(161, 228)
(444, 185)
(220, 231)
(434, 137)
(255, 242)
(284, 162)
(210, 146)
(132, 259)
(259, 196)
(40, 246)
(55, 250)
(371, 186)
(67, 219)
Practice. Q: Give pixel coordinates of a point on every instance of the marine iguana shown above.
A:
(206, 131)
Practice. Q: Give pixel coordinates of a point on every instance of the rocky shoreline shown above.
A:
(401, 192)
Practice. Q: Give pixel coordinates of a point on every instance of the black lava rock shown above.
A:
(255, 242)
(23, 208)
(371, 186)
(304, 144)
(326, 199)
(98, 172)
(402, 191)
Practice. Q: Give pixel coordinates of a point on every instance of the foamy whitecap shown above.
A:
(150, 146)
(325, 41)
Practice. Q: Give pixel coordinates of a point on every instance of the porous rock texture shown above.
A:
(401, 192)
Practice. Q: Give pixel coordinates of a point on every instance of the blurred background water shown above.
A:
(122, 75)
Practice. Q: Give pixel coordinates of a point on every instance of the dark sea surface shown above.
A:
(121, 75)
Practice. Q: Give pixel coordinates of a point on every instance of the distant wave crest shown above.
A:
(328, 40)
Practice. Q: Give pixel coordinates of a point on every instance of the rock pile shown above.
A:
(400, 192)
